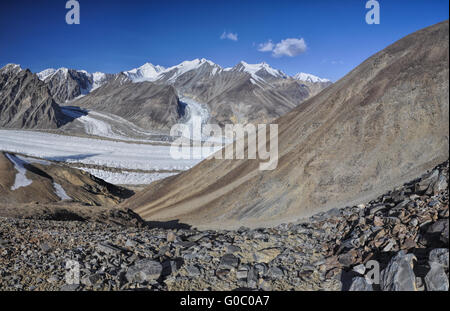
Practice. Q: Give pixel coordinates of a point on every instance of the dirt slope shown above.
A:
(46, 183)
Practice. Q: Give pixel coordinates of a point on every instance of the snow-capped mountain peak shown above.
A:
(98, 79)
(150, 72)
(189, 65)
(192, 64)
(309, 78)
(147, 72)
(11, 67)
(258, 71)
(44, 74)
(62, 70)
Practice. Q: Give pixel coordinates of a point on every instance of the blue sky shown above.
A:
(120, 35)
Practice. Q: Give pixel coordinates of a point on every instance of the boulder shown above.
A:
(440, 256)
(436, 279)
(144, 270)
(399, 274)
(360, 284)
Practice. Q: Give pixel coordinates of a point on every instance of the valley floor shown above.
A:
(117, 162)
(105, 145)
(405, 231)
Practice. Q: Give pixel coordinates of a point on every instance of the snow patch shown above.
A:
(44, 74)
(309, 78)
(98, 78)
(59, 191)
(127, 178)
(21, 178)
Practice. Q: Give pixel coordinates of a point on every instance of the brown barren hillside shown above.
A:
(44, 182)
(384, 123)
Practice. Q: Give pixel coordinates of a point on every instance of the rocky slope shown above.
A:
(148, 105)
(66, 84)
(25, 180)
(25, 101)
(405, 231)
(382, 124)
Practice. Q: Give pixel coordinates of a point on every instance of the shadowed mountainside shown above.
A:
(25, 101)
(148, 105)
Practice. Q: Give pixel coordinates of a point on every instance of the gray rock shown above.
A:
(241, 274)
(440, 226)
(233, 249)
(260, 268)
(399, 274)
(108, 249)
(389, 246)
(441, 184)
(360, 284)
(444, 233)
(192, 270)
(91, 280)
(185, 244)
(360, 269)
(130, 243)
(427, 180)
(440, 256)
(229, 261)
(45, 247)
(347, 259)
(377, 208)
(252, 278)
(436, 279)
(144, 270)
(275, 273)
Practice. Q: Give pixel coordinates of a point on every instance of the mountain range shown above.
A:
(150, 95)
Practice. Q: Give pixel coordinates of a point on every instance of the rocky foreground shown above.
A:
(405, 231)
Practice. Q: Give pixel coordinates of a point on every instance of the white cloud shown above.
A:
(337, 62)
(229, 36)
(266, 47)
(288, 47)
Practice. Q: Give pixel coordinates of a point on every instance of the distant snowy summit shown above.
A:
(147, 72)
(97, 79)
(44, 74)
(309, 78)
(11, 68)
